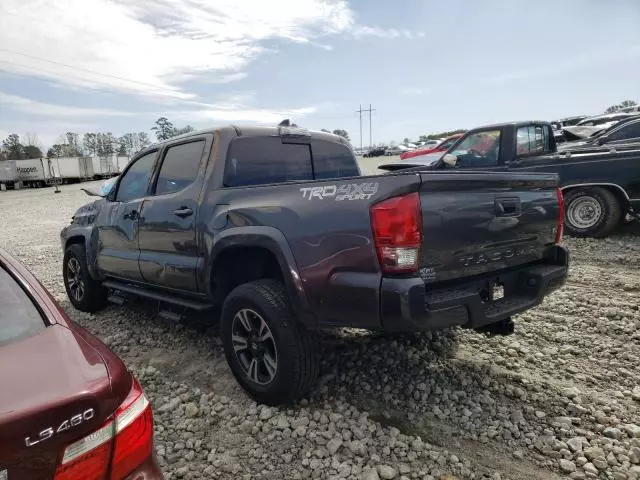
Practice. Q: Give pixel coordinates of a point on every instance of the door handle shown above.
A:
(183, 212)
(132, 215)
(508, 207)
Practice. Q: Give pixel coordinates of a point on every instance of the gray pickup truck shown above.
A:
(275, 230)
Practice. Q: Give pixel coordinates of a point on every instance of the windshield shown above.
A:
(19, 317)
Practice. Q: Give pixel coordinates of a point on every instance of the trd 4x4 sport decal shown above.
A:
(346, 191)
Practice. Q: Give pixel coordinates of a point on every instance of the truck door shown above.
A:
(168, 249)
(118, 249)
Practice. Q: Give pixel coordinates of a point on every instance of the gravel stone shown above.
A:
(386, 472)
(567, 466)
(611, 432)
(383, 400)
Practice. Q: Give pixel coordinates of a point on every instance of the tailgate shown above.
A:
(475, 222)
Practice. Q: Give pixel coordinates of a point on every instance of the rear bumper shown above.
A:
(406, 305)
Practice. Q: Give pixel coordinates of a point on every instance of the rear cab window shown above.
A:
(19, 317)
(267, 160)
(532, 140)
(333, 160)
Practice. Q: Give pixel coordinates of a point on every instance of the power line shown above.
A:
(75, 67)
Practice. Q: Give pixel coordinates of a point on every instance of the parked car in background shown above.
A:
(558, 125)
(69, 409)
(600, 187)
(277, 229)
(375, 152)
(624, 134)
(439, 147)
(396, 150)
(590, 126)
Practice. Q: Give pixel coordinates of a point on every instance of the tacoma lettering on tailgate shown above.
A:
(496, 255)
(346, 191)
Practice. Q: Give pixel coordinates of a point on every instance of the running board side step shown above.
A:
(160, 296)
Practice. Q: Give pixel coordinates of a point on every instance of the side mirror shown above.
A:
(450, 159)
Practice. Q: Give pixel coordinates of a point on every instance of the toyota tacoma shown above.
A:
(274, 231)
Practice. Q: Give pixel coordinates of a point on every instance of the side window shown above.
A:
(179, 167)
(333, 160)
(480, 149)
(135, 181)
(264, 160)
(631, 130)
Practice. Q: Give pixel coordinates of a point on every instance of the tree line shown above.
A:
(101, 144)
(623, 104)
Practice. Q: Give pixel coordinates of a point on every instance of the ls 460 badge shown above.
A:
(49, 432)
(346, 191)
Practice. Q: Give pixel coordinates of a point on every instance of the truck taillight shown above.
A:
(560, 221)
(397, 233)
(119, 446)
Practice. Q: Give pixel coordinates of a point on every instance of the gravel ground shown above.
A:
(559, 398)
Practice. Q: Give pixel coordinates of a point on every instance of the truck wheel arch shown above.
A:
(265, 244)
(88, 237)
(614, 188)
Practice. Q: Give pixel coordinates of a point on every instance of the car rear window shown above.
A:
(332, 160)
(19, 317)
(264, 160)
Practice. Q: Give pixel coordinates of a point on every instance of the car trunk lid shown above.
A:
(56, 390)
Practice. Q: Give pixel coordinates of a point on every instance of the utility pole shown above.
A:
(370, 127)
(359, 111)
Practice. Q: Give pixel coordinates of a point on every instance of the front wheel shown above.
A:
(591, 212)
(273, 358)
(85, 293)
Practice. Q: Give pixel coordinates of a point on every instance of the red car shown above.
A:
(442, 147)
(69, 408)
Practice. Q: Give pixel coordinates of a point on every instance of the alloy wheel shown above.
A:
(254, 346)
(74, 279)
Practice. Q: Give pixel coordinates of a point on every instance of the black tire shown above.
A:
(603, 212)
(296, 348)
(94, 295)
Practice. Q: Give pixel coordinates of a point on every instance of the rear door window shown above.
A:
(265, 160)
(180, 167)
(333, 160)
(19, 317)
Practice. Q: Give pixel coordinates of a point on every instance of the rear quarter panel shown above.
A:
(327, 227)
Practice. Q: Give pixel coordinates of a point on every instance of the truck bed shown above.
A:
(327, 225)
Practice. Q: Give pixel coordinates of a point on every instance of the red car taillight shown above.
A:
(397, 233)
(119, 446)
(560, 224)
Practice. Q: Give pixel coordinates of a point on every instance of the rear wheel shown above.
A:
(591, 212)
(85, 293)
(273, 358)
